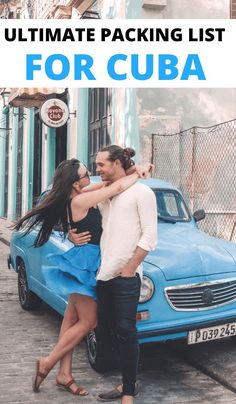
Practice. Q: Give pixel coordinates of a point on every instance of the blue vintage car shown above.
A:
(188, 288)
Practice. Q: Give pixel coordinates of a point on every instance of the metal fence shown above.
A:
(201, 161)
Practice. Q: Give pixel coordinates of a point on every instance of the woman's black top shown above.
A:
(92, 222)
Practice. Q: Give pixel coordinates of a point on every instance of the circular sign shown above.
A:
(54, 113)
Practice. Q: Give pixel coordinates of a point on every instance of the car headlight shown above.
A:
(147, 289)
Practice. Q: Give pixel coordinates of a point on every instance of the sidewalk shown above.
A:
(5, 232)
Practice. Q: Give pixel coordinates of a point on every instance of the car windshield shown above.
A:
(171, 206)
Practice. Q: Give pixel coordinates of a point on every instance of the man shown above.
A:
(129, 224)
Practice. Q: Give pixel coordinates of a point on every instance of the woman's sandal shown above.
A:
(80, 391)
(36, 383)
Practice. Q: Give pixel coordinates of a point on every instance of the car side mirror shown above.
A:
(199, 215)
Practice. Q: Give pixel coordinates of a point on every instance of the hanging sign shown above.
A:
(54, 113)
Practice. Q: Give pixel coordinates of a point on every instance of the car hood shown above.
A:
(188, 252)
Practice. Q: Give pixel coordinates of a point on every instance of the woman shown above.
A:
(77, 267)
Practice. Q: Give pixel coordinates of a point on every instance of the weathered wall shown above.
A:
(191, 107)
(233, 9)
(168, 111)
(190, 9)
(185, 107)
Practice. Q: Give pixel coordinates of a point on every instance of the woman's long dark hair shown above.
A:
(53, 210)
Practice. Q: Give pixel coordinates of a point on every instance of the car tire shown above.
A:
(101, 355)
(28, 300)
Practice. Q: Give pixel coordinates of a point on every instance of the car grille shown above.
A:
(201, 296)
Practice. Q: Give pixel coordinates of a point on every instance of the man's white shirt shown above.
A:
(128, 220)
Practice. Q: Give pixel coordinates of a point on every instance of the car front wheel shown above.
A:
(101, 352)
(28, 300)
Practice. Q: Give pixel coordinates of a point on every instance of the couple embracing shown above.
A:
(117, 221)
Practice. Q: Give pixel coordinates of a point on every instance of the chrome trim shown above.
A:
(201, 285)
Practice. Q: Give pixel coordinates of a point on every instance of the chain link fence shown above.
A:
(201, 161)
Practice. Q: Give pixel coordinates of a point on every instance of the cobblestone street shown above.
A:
(164, 375)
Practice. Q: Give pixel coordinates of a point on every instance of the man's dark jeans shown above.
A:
(117, 306)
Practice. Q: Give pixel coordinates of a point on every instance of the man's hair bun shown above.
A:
(129, 152)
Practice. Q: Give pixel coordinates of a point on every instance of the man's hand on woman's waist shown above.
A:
(79, 238)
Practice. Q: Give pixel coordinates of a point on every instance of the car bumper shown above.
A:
(168, 333)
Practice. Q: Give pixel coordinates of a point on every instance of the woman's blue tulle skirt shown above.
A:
(74, 271)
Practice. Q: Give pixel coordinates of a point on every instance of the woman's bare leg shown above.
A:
(86, 309)
(65, 370)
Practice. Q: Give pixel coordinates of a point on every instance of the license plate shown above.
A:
(211, 333)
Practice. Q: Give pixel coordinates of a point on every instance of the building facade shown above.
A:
(30, 151)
